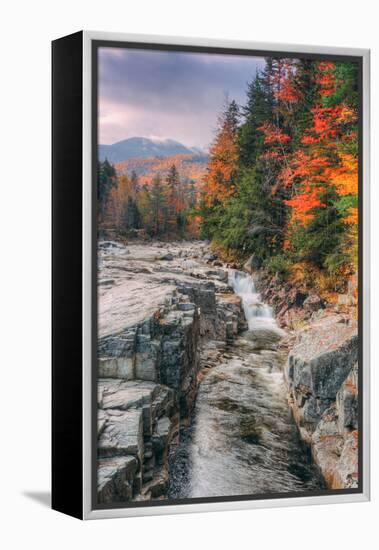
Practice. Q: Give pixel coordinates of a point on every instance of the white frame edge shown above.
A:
(88, 512)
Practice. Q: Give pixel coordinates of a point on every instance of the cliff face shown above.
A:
(157, 311)
(322, 377)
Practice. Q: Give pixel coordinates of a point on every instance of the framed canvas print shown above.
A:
(210, 275)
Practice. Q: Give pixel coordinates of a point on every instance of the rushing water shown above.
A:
(243, 439)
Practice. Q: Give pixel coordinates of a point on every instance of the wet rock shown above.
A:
(115, 479)
(167, 257)
(210, 257)
(158, 485)
(219, 274)
(252, 264)
(265, 337)
(110, 244)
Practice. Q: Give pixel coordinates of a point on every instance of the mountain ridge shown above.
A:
(141, 147)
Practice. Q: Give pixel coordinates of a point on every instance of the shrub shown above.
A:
(280, 265)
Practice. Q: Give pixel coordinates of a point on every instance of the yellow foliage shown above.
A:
(345, 176)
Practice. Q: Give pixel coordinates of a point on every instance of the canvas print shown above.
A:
(227, 275)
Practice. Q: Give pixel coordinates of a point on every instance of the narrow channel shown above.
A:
(243, 439)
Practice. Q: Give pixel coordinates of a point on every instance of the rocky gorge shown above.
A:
(192, 400)
(321, 373)
(155, 314)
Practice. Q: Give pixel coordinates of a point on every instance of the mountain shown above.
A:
(140, 147)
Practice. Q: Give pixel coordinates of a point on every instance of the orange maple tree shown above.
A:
(218, 182)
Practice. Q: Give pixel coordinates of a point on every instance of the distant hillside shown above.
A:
(140, 147)
(190, 167)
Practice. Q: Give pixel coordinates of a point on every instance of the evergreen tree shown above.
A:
(158, 206)
(250, 140)
(106, 181)
(219, 181)
(173, 194)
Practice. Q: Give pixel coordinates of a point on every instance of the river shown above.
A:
(242, 439)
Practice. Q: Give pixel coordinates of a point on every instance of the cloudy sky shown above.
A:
(162, 94)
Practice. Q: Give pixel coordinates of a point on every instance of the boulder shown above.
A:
(167, 257)
(324, 353)
(252, 264)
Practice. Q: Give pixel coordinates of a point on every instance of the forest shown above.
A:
(281, 181)
(130, 206)
(282, 178)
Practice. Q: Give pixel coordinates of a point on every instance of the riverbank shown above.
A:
(321, 372)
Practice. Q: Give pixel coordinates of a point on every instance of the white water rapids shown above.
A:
(243, 439)
(263, 329)
(254, 309)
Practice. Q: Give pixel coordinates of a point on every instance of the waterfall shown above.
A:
(256, 312)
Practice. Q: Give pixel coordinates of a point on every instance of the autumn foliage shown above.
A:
(131, 206)
(322, 159)
(283, 182)
(223, 156)
(190, 167)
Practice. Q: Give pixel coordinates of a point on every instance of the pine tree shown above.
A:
(158, 206)
(173, 195)
(106, 181)
(250, 140)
